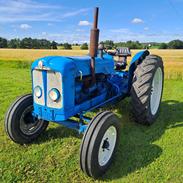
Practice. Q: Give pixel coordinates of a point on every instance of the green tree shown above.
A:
(163, 46)
(109, 44)
(3, 43)
(45, 44)
(175, 44)
(14, 43)
(134, 45)
(120, 44)
(35, 43)
(26, 43)
(130, 44)
(54, 45)
(60, 44)
(84, 46)
(67, 46)
(30, 43)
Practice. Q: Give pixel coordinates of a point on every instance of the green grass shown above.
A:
(146, 154)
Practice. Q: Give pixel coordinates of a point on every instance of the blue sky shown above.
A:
(70, 20)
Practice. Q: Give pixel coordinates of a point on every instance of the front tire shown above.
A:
(99, 144)
(147, 89)
(20, 125)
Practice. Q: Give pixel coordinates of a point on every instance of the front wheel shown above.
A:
(20, 125)
(146, 90)
(99, 144)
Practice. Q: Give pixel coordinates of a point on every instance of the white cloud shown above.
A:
(25, 26)
(30, 10)
(84, 23)
(17, 6)
(120, 30)
(146, 28)
(75, 36)
(137, 21)
(141, 36)
(69, 36)
(74, 13)
(43, 33)
(126, 34)
(80, 30)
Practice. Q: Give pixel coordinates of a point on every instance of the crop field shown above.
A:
(145, 154)
(173, 59)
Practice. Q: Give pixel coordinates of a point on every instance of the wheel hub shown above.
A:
(28, 123)
(107, 146)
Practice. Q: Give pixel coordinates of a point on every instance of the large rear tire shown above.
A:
(20, 125)
(147, 89)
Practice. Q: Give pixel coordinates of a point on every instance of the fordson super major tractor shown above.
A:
(64, 89)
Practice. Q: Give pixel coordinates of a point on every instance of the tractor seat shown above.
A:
(121, 60)
(123, 52)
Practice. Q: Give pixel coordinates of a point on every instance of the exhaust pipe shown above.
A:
(94, 38)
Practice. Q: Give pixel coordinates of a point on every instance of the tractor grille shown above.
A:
(47, 80)
(54, 80)
(38, 81)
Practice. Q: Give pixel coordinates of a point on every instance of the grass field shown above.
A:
(146, 154)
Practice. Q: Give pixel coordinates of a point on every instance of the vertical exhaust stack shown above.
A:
(94, 38)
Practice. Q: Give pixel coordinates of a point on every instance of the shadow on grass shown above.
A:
(136, 149)
(57, 132)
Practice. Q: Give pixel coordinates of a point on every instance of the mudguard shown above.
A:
(138, 58)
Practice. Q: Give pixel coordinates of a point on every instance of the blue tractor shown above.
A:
(64, 89)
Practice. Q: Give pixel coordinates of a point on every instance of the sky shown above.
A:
(71, 20)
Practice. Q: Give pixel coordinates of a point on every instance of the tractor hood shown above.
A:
(77, 64)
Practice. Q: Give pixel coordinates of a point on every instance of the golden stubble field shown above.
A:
(173, 59)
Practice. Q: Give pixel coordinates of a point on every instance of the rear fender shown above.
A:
(137, 59)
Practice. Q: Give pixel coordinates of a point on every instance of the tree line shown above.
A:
(30, 43)
(175, 44)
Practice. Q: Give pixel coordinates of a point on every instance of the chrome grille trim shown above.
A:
(54, 80)
(38, 81)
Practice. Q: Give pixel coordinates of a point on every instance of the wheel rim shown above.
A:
(107, 146)
(156, 91)
(29, 125)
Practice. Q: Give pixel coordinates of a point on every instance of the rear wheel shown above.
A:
(146, 90)
(20, 125)
(99, 144)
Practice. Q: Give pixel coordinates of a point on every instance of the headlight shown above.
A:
(38, 91)
(54, 94)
